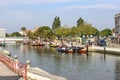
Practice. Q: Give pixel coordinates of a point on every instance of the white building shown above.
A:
(2, 33)
(117, 27)
(117, 23)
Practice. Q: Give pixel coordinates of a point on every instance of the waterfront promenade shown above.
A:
(109, 50)
(6, 73)
(31, 73)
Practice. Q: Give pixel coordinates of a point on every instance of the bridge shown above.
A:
(12, 39)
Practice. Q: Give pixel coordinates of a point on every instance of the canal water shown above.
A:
(94, 66)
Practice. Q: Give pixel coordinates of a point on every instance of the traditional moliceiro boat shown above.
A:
(69, 50)
(53, 45)
(61, 49)
(84, 50)
(73, 49)
(40, 44)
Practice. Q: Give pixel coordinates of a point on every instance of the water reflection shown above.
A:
(104, 56)
(117, 69)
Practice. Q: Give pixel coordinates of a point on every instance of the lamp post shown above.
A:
(83, 39)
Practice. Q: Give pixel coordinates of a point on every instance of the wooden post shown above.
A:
(104, 48)
(87, 48)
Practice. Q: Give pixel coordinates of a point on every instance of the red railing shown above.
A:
(17, 67)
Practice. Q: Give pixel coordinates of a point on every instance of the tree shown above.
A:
(43, 31)
(31, 35)
(87, 29)
(23, 29)
(105, 32)
(74, 31)
(62, 31)
(80, 22)
(7, 35)
(15, 34)
(46, 31)
(56, 23)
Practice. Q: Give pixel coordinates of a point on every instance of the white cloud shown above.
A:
(106, 6)
(4, 3)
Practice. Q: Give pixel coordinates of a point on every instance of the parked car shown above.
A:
(101, 42)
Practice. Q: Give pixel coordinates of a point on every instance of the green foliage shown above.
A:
(23, 29)
(87, 29)
(31, 35)
(15, 34)
(56, 23)
(74, 31)
(61, 31)
(97, 33)
(7, 35)
(105, 32)
(43, 31)
(80, 22)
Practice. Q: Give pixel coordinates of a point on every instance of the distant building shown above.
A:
(34, 29)
(117, 23)
(2, 33)
(25, 32)
(22, 32)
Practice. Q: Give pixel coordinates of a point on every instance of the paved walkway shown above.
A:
(113, 50)
(107, 48)
(6, 73)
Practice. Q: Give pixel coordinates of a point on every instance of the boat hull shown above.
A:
(82, 51)
(69, 51)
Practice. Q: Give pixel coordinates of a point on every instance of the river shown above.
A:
(94, 66)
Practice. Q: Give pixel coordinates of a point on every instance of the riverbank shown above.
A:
(36, 73)
(108, 50)
(74, 66)
(32, 73)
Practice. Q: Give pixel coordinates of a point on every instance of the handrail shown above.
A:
(17, 67)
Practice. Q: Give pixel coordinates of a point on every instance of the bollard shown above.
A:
(28, 64)
(16, 64)
(16, 58)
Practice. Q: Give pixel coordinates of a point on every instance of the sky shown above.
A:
(15, 14)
